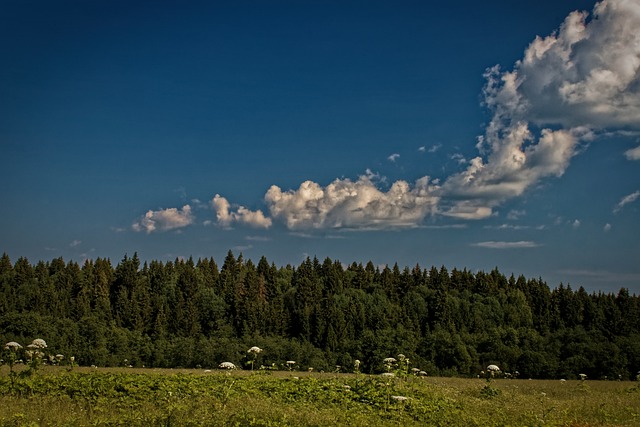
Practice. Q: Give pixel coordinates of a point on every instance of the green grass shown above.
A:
(85, 397)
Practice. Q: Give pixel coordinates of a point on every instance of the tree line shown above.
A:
(323, 315)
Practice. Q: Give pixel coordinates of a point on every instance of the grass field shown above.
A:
(85, 396)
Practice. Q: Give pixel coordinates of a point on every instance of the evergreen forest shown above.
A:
(321, 314)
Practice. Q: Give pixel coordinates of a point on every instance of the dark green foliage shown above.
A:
(320, 314)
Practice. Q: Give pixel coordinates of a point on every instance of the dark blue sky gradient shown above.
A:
(111, 109)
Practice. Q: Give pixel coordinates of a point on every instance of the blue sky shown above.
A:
(469, 134)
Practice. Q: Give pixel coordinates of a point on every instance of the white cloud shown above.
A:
(514, 165)
(626, 200)
(164, 220)
(633, 153)
(576, 224)
(241, 215)
(459, 158)
(257, 238)
(603, 275)
(515, 214)
(446, 226)
(393, 157)
(435, 147)
(348, 204)
(422, 149)
(607, 227)
(507, 227)
(241, 248)
(507, 245)
(75, 243)
(584, 75)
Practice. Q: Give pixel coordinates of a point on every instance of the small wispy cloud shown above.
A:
(435, 148)
(506, 245)
(458, 158)
(446, 226)
(576, 224)
(516, 214)
(512, 227)
(626, 200)
(607, 227)
(335, 237)
(257, 238)
(633, 154)
(303, 235)
(602, 275)
(75, 243)
(393, 157)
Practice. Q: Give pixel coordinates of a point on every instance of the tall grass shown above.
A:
(84, 397)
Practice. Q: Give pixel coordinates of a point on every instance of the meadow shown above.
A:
(81, 396)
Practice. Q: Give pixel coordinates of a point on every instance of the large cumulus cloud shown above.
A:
(352, 204)
(587, 74)
(581, 80)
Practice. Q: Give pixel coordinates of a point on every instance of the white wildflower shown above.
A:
(39, 343)
(13, 346)
(291, 362)
(356, 363)
(422, 373)
(400, 398)
(401, 357)
(389, 361)
(227, 365)
(59, 357)
(583, 377)
(388, 374)
(493, 368)
(254, 350)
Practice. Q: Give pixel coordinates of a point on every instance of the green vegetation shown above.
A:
(119, 396)
(192, 314)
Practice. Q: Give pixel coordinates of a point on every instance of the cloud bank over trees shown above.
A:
(571, 86)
